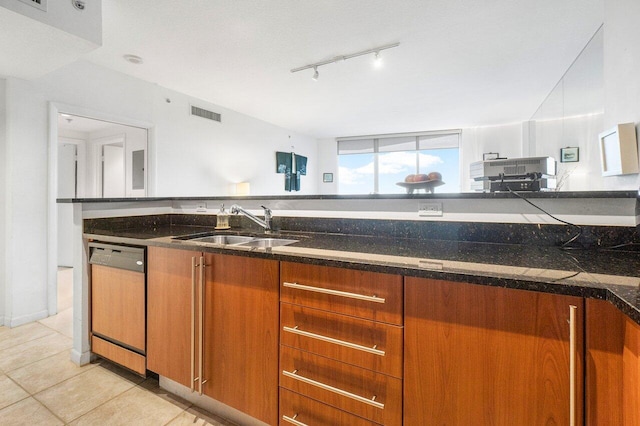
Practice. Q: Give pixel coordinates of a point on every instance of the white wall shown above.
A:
(4, 166)
(196, 156)
(189, 156)
(25, 200)
(621, 76)
(328, 163)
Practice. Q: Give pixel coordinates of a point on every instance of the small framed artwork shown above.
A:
(327, 177)
(569, 155)
(490, 156)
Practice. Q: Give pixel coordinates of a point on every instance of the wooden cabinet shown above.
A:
(612, 366)
(241, 334)
(486, 355)
(170, 313)
(223, 323)
(341, 346)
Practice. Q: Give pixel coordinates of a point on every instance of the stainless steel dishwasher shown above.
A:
(118, 304)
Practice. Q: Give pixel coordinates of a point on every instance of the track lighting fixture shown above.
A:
(377, 60)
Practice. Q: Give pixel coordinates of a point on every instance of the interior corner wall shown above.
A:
(621, 76)
(3, 196)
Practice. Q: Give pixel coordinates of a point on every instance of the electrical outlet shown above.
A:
(201, 207)
(430, 209)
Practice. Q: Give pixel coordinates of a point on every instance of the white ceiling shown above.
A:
(460, 63)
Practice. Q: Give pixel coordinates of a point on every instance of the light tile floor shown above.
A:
(39, 385)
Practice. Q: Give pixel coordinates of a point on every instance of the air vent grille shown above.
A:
(39, 4)
(209, 115)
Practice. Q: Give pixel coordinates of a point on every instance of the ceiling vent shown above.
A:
(209, 115)
(39, 4)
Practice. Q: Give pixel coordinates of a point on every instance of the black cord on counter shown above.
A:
(564, 245)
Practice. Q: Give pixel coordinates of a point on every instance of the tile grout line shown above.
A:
(94, 408)
(33, 362)
(32, 396)
(31, 340)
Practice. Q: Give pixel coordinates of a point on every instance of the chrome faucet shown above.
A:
(266, 223)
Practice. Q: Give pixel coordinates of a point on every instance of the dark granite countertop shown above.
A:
(612, 274)
(457, 195)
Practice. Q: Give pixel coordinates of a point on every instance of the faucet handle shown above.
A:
(267, 210)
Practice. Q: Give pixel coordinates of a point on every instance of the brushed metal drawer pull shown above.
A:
(296, 330)
(573, 351)
(369, 401)
(373, 298)
(293, 420)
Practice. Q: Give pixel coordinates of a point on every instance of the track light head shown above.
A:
(315, 74)
(377, 61)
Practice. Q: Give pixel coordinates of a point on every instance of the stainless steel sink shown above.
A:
(268, 242)
(224, 239)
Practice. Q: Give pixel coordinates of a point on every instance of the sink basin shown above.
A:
(223, 239)
(268, 242)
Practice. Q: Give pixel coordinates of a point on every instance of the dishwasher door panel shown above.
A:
(118, 306)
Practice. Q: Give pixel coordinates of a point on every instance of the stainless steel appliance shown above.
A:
(118, 304)
(516, 174)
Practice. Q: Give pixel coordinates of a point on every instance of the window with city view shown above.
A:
(375, 164)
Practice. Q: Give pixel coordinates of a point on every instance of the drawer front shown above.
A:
(363, 294)
(298, 410)
(118, 305)
(374, 396)
(129, 359)
(368, 344)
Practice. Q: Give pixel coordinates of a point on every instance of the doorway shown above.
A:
(94, 159)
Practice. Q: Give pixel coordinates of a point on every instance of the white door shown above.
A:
(67, 188)
(67, 170)
(113, 171)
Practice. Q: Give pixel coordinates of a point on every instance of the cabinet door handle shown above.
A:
(293, 420)
(193, 323)
(366, 298)
(370, 401)
(201, 328)
(296, 330)
(573, 351)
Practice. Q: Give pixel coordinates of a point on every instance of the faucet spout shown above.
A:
(266, 223)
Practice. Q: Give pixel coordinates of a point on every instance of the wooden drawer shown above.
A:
(296, 409)
(364, 343)
(363, 294)
(374, 396)
(129, 359)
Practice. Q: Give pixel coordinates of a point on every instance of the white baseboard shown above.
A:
(25, 319)
(80, 358)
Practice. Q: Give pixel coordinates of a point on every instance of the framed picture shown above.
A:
(327, 177)
(619, 150)
(569, 155)
(490, 156)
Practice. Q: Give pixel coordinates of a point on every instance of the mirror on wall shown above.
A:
(572, 117)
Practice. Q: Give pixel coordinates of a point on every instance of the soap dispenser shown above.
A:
(222, 219)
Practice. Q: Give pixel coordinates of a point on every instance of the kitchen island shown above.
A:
(445, 286)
